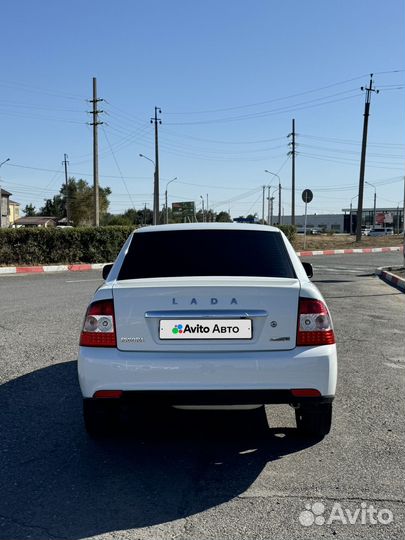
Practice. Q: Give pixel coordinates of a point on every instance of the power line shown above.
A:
(347, 141)
(118, 167)
(30, 88)
(84, 174)
(39, 117)
(214, 141)
(263, 114)
(270, 100)
(352, 152)
(348, 161)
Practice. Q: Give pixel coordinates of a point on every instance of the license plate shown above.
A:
(183, 329)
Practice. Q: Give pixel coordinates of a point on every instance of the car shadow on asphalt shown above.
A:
(58, 483)
(332, 281)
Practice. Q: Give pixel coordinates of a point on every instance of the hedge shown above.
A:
(37, 246)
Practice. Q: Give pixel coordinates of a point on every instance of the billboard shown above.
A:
(383, 217)
(183, 210)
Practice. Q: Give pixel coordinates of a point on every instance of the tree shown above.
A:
(53, 207)
(115, 219)
(223, 217)
(80, 200)
(144, 216)
(29, 210)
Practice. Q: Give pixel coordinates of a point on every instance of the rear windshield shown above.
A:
(206, 253)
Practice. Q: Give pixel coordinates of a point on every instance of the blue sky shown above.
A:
(229, 77)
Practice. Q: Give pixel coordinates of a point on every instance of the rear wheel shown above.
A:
(314, 420)
(101, 417)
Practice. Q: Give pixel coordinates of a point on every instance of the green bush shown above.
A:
(37, 246)
(289, 230)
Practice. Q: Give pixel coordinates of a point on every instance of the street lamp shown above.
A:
(375, 198)
(1, 199)
(279, 194)
(155, 210)
(166, 207)
(351, 214)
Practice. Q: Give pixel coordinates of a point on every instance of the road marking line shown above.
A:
(343, 270)
(81, 280)
(396, 366)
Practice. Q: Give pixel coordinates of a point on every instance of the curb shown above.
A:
(348, 251)
(99, 266)
(51, 268)
(389, 277)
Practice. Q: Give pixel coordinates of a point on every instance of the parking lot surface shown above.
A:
(202, 476)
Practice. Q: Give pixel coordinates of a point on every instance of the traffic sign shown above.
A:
(307, 195)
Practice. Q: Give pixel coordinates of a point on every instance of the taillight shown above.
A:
(314, 324)
(99, 325)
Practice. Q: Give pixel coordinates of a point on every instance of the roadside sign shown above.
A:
(183, 210)
(307, 195)
(388, 218)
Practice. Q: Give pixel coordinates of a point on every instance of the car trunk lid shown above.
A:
(147, 312)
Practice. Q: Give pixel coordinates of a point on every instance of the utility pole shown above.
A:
(279, 194)
(263, 197)
(202, 202)
(403, 212)
(368, 90)
(95, 123)
(1, 199)
(208, 215)
(268, 206)
(292, 154)
(271, 210)
(155, 120)
(65, 163)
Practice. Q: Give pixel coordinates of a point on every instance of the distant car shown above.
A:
(207, 315)
(381, 232)
(365, 231)
(315, 230)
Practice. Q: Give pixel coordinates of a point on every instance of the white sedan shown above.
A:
(208, 315)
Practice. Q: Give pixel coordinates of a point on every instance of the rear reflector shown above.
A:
(305, 392)
(110, 394)
(99, 325)
(314, 324)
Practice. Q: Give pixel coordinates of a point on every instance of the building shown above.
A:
(384, 217)
(347, 222)
(9, 210)
(14, 208)
(325, 222)
(36, 221)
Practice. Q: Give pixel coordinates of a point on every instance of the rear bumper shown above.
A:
(268, 375)
(153, 398)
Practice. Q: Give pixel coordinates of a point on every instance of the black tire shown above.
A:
(101, 417)
(314, 420)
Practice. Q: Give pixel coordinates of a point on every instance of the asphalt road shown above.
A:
(201, 477)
